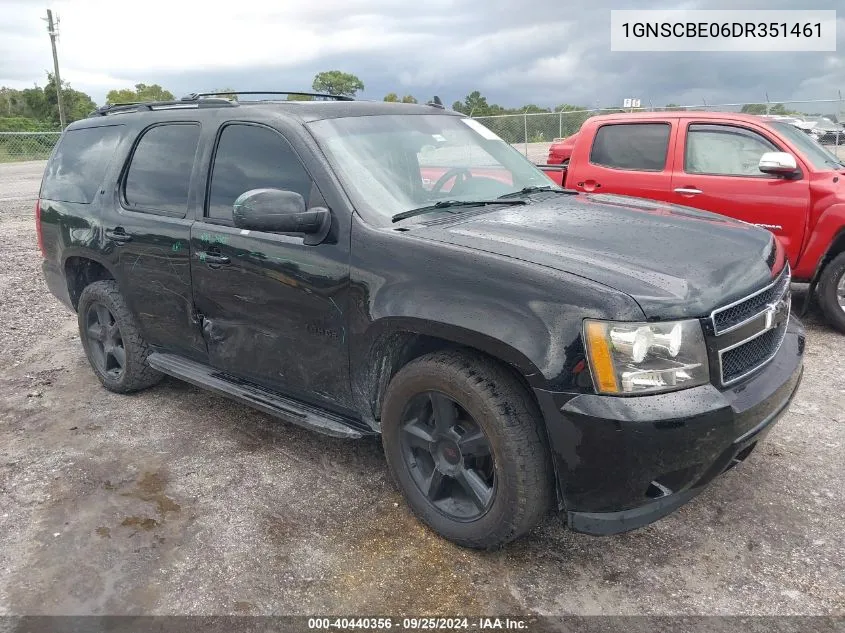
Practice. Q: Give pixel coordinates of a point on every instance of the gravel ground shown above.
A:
(175, 501)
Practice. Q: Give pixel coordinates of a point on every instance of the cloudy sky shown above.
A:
(513, 51)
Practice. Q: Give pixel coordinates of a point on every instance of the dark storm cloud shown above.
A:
(513, 52)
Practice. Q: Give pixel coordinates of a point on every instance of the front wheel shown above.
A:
(465, 444)
(831, 292)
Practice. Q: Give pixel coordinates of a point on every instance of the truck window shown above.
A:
(160, 170)
(725, 150)
(632, 146)
(79, 164)
(252, 157)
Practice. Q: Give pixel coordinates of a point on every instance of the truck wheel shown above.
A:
(831, 292)
(465, 444)
(111, 340)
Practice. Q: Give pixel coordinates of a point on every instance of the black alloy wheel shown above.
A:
(105, 341)
(448, 456)
(112, 340)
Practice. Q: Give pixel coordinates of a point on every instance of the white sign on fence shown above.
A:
(631, 103)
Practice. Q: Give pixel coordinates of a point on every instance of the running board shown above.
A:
(258, 397)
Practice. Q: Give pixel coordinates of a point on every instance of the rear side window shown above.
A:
(78, 166)
(159, 174)
(632, 146)
(252, 157)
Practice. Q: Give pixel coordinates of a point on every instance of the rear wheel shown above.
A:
(112, 341)
(831, 292)
(465, 445)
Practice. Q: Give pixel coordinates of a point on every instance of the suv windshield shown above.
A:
(812, 151)
(390, 164)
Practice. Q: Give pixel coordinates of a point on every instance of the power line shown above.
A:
(52, 29)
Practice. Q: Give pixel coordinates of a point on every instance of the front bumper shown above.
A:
(623, 463)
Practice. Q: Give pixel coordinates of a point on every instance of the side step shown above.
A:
(258, 397)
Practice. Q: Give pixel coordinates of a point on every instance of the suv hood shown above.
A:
(674, 261)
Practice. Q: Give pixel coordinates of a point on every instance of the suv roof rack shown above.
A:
(321, 95)
(141, 106)
(204, 100)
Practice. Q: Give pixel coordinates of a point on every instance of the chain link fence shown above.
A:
(532, 133)
(21, 146)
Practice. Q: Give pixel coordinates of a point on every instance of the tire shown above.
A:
(828, 292)
(488, 398)
(122, 333)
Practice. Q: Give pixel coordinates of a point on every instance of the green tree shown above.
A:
(409, 99)
(142, 92)
(336, 82)
(24, 124)
(36, 106)
(11, 102)
(391, 97)
(474, 104)
(754, 108)
(534, 109)
(295, 97)
(77, 105)
(153, 93)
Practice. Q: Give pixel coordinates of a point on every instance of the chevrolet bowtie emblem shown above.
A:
(772, 310)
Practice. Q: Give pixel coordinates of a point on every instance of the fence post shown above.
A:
(839, 122)
(525, 119)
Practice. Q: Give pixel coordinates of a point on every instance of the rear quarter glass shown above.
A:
(77, 167)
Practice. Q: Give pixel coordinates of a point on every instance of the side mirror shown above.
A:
(778, 163)
(280, 211)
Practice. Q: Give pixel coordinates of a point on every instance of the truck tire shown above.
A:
(112, 341)
(831, 292)
(465, 444)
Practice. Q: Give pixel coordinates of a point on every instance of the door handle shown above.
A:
(590, 185)
(213, 259)
(118, 235)
(688, 191)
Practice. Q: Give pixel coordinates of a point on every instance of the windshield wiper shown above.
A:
(535, 189)
(449, 204)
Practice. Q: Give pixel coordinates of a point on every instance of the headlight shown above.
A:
(633, 358)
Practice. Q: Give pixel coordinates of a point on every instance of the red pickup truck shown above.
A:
(762, 171)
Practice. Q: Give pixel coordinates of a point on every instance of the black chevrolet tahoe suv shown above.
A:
(366, 268)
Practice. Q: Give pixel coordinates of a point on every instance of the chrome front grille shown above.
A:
(734, 315)
(749, 332)
(745, 358)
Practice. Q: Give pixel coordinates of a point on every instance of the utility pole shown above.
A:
(52, 30)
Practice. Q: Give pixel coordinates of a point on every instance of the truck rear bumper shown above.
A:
(623, 463)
